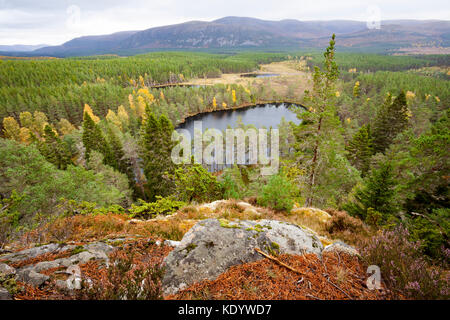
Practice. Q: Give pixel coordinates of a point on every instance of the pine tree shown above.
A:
(54, 149)
(376, 195)
(360, 149)
(119, 161)
(391, 119)
(156, 149)
(320, 149)
(150, 146)
(93, 139)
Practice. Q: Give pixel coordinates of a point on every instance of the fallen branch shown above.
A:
(277, 261)
(311, 296)
(339, 289)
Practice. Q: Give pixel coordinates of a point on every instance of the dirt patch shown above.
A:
(291, 82)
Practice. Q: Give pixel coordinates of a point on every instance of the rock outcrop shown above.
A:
(340, 246)
(31, 273)
(212, 246)
(4, 294)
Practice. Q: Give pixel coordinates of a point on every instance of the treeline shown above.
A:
(154, 67)
(376, 62)
(63, 101)
(61, 87)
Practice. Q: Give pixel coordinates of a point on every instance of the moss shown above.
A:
(224, 223)
(275, 246)
(77, 249)
(315, 244)
(9, 283)
(258, 228)
(191, 247)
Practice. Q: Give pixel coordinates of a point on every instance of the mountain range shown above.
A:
(243, 33)
(21, 47)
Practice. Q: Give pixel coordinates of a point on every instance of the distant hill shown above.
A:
(21, 47)
(240, 32)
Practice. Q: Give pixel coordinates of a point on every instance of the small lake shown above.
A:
(265, 115)
(259, 75)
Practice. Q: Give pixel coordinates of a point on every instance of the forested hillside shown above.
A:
(86, 146)
(61, 87)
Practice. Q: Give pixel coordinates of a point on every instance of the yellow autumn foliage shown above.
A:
(26, 119)
(131, 102)
(65, 127)
(87, 109)
(25, 135)
(410, 95)
(140, 109)
(11, 128)
(122, 115)
(112, 118)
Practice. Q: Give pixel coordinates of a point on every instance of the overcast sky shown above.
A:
(56, 21)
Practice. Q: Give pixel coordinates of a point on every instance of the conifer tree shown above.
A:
(320, 149)
(93, 139)
(391, 119)
(54, 149)
(119, 161)
(377, 194)
(156, 148)
(360, 149)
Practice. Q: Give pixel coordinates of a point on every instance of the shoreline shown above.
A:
(241, 106)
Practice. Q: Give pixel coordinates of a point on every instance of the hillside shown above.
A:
(95, 203)
(237, 32)
(21, 47)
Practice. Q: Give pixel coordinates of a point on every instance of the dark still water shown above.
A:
(267, 115)
(259, 75)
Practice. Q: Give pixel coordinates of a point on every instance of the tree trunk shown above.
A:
(312, 176)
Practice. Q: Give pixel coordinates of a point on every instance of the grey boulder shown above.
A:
(36, 251)
(212, 246)
(6, 270)
(4, 294)
(340, 246)
(32, 277)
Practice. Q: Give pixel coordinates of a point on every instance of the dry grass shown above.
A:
(290, 77)
(86, 228)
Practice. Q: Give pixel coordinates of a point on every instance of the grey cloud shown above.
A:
(31, 22)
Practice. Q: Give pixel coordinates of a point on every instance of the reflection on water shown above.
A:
(259, 75)
(268, 115)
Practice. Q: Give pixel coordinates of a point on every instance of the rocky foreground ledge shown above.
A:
(27, 266)
(205, 252)
(212, 246)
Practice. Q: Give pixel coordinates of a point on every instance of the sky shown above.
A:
(54, 22)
